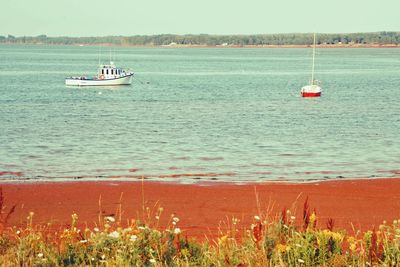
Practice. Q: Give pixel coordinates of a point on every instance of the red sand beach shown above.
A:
(203, 208)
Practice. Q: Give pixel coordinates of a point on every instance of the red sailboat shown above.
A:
(314, 88)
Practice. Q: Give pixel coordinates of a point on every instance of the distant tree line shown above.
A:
(213, 40)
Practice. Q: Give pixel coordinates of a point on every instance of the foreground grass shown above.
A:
(267, 242)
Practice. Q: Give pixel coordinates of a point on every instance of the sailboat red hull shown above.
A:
(310, 94)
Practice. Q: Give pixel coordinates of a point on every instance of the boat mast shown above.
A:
(313, 59)
(99, 54)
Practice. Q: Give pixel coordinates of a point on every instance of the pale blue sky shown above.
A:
(124, 17)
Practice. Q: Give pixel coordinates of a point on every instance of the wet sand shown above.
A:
(205, 208)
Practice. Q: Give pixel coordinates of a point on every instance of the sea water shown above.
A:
(194, 114)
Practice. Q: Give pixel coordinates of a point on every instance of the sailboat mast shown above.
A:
(313, 60)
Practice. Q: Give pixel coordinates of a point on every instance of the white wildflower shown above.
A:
(175, 219)
(141, 228)
(174, 223)
(177, 231)
(18, 232)
(96, 229)
(110, 219)
(157, 217)
(257, 217)
(300, 260)
(103, 256)
(40, 255)
(292, 217)
(83, 241)
(152, 261)
(114, 234)
(133, 238)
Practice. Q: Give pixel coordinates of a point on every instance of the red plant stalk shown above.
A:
(283, 216)
(376, 248)
(178, 245)
(330, 224)
(257, 232)
(306, 214)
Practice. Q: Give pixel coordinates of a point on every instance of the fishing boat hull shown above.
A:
(83, 81)
(311, 91)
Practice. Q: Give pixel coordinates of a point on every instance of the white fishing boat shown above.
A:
(314, 88)
(107, 75)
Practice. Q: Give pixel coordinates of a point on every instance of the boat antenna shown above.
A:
(313, 60)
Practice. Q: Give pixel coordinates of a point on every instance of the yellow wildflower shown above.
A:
(222, 240)
(185, 252)
(313, 219)
(281, 248)
(352, 243)
(337, 236)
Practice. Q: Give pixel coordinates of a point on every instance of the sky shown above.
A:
(147, 17)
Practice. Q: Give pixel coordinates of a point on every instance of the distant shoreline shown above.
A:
(323, 46)
(386, 39)
(286, 46)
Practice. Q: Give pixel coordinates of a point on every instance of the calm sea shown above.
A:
(199, 115)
